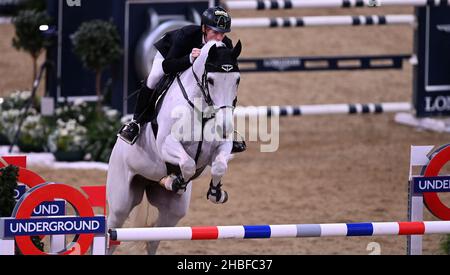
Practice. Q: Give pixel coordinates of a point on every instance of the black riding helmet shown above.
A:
(217, 18)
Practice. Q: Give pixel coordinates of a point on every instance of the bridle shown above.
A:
(203, 85)
(204, 88)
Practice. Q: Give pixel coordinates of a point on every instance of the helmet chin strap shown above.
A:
(204, 34)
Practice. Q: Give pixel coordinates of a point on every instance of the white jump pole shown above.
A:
(280, 231)
(295, 4)
(327, 109)
(317, 21)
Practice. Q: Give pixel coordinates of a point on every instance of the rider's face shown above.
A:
(213, 35)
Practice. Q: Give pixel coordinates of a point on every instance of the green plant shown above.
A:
(8, 182)
(97, 44)
(38, 5)
(9, 119)
(102, 134)
(68, 136)
(33, 134)
(78, 110)
(3, 138)
(16, 100)
(28, 36)
(445, 244)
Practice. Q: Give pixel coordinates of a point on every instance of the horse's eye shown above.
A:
(211, 81)
(238, 81)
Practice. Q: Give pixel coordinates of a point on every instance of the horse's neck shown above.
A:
(190, 84)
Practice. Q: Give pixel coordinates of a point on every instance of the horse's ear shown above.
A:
(212, 52)
(237, 49)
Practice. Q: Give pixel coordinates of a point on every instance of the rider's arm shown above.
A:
(173, 63)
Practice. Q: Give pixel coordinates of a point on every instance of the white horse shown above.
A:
(213, 78)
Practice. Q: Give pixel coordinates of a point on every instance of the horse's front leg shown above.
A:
(218, 168)
(172, 151)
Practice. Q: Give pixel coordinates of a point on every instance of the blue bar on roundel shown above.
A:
(431, 184)
(256, 231)
(50, 208)
(359, 229)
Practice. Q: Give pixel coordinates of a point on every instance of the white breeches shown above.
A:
(157, 71)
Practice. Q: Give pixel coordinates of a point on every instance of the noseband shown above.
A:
(204, 88)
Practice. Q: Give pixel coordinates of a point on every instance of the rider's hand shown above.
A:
(194, 54)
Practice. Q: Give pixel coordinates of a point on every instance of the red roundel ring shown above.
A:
(29, 178)
(431, 199)
(49, 192)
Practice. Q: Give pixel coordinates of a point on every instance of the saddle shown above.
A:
(156, 98)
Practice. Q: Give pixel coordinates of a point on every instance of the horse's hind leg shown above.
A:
(171, 209)
(124, 193)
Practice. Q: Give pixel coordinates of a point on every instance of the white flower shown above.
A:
(77, 140)
(73, 133)
(78, 102)
(81, 118)
(25, 95)
(14, 113)
(111, 114)
(126, 119)
(71, 124)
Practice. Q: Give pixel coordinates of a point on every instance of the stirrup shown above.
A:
(133, 141)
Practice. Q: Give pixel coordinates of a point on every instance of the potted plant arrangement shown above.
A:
(3, 138)
(102, 134)
(68, 141)
(33, 133)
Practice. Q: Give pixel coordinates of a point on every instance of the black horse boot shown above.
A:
(238, 146)
(130, 131)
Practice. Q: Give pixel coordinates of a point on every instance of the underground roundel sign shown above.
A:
(84, 225)
(431, 199)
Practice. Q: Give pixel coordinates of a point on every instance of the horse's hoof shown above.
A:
(222, 199)
(224, 196)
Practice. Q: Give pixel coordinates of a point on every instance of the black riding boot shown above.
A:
(130, 131)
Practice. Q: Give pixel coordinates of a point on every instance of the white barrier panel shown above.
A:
(5, 20)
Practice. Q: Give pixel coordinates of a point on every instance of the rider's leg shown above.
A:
(130, 132)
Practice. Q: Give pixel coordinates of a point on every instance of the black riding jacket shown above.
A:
(176, 47)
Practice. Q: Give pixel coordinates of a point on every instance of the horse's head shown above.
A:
(217, 71)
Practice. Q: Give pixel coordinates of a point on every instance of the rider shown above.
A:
(177, 50)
